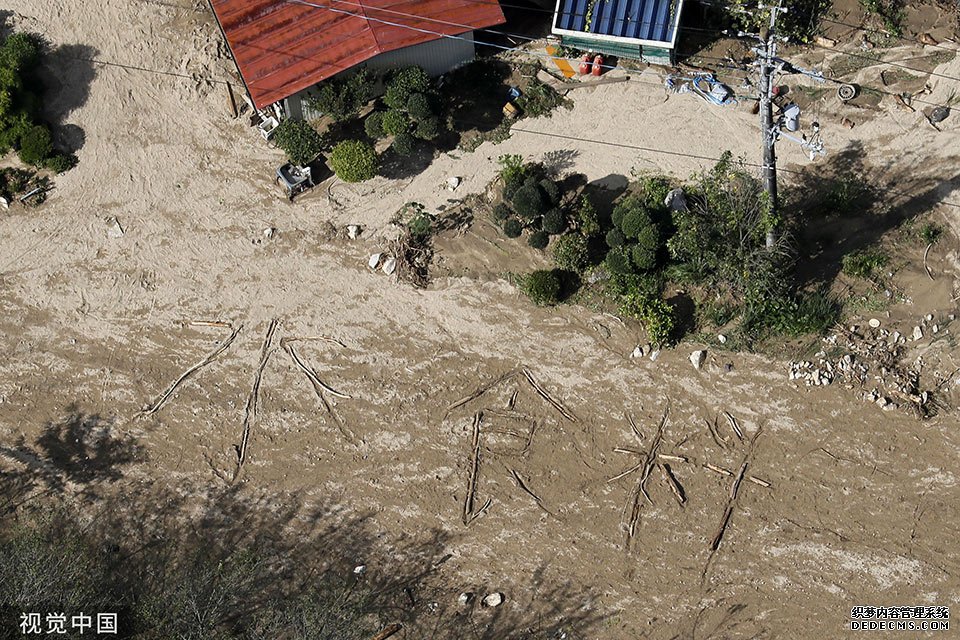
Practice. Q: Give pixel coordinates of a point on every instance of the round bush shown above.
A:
(539, 240)
(405, 83)
(61, 162)
(571, 252)
(419, 107)
(501, 211)
(543, 287)
(403, 144)
(649, 239)
(36, 145)
(428, 129)
(299, 140)
(528, 202)
(587, 218)
(373, 125)
(550, 190)
(354, 161)
(554, 222)
(642, 257)
(618, 261)
(615, 238)
(395, 122)
(512, 228)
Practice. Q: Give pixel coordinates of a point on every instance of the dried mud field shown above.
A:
(345, 388)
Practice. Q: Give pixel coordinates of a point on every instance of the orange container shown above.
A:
(585, 64)
(598, 65)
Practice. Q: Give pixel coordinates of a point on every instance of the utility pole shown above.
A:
(767, 133)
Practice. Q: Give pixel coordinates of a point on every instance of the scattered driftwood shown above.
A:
(925, 267)
(150, 409)
(641, 489)
(546, 396)
(734, 491)
(318, 385)
(675, 485)
(470, 497)
(482, 390)
(311, 373)
(413, 259)
(251, 409)
(526, 488)
(734, 425)
(389, 630)
(513, 399)
(715, 434)
(634, 427)
(210, 323)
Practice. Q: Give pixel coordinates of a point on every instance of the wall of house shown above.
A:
(435, 57)
(653, 55)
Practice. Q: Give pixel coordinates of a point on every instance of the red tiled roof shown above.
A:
(282, 47)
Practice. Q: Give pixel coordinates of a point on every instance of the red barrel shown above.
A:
(598, 65)
(585, 64)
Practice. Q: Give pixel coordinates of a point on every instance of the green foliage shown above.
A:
(354, 161)
(719, 313)
(61, 162)
(528, 202)
(428, 129)
(403, 144)
(550, 191)
(615, 238)
(554, 221)
(299, 141)
(930, 232)
(36, 145)
(540, 99)
(571, 252)
(864, 264)
(890, 12)
(618, 261)
(404, 84)
(657, 315)
(501, 211)
(395, 122)
(512, 228)
(420, 107)
(588, 219)
(418, 222)
(643, 257)
(513, 172)
(539, 240)
(373, 125)
(21, 52)
(543, 287)
(800, 24)
(342, 99)
(634, 219)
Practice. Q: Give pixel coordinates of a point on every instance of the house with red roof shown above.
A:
(283, 48)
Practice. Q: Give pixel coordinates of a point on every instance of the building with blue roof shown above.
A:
(641, 29)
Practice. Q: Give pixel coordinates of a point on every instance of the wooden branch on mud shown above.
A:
(389, 630)
(523, 486)
(712, 428)
(470, 497)
(546, 396)
(223, 346)
(734, 425)
(311, 373)
(734, 490)
(675, 485)
(634, 427)
(482, 389)
(319, 387)
(925, 267)
(251, 409)
(641, 489)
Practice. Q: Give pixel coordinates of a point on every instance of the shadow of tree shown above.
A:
(846, 206)
(67, 73)
(78, 449)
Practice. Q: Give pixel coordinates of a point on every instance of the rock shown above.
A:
(917, 333)
(935, 328)
(492, 600)
(928, 317)
(874, 323)
(269, 232)
(4, 203)
(676, 200)
(637, 352)
(823, 41)
(722, 339)
(951, 317)
(926, 38)
(465, 598)
(697, 358)
(353, 231)
(728, 367)
(374, 260)
(390, 265)
(654, 355)
(360, 569)
(453, 183)
(114, 230)
(815, 378)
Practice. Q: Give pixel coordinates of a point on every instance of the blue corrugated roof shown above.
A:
(636, 19)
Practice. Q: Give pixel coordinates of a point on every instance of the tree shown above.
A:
(373, 125)
(404, 84)
(539, 240)
(428, 129)
(512, 228)
(571, 252)
(36, 145)
(299, 141)
(543, 287)
(420, 107)
(342, 99)
(403, 144)
(528, 202)
(588, 220)
(395, 122)
(354, 161)
(554, 221)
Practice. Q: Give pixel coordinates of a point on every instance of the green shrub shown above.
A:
(20, 52)
(61, 162)
(643, 257)
(550, 190)
(615, 238)
(36, 145)
(428, 129)
(354, 161)
(539, 240)
(719, 313)
(543, 287)
(420, 225)
(403, 144)
(554, 221)
(930, 232)
(512, 169)
(512, 228)
(299, 141)
(588, 220)
(528, 202)
(657, 316)
(540, 99)
(800, 24)
(373, 125)
(501, 211)
(864, 264)
(618, 261)
(395, 122)
(404, 84)
(342, 99)
(419, 107)
(571, 252)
